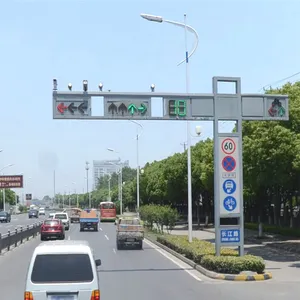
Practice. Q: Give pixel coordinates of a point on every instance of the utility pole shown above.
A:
(53, 188)
(184, 146)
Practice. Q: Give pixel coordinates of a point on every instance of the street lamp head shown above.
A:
(152, 18)
(110, 149)
(152, 87)
(85, 85)
(70, 86)
(100, 86)
(54, 84)
(198, 130)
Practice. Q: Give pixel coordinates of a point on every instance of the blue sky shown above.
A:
(108, 41)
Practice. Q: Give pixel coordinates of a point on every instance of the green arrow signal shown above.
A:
(142, 109)
(132, 108)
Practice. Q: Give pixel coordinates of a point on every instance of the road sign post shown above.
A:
(228, 163)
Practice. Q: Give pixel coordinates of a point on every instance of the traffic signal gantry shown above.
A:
(228, 158)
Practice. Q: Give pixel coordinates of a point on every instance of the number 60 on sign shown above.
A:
(228, 146)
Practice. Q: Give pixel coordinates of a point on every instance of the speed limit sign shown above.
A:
(228, 146)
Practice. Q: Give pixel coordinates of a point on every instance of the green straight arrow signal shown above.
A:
(142, 109)
(132, 108)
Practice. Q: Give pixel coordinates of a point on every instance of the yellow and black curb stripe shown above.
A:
(211, 274)
(242, 277)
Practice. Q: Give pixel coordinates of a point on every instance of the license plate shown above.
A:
(130, 240)
(89, 223)
(62, 297)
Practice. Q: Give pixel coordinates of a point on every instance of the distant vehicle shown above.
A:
(88, 219)
(64, 218)
(108, 211)
(32, 207)
(52, 228)
(42, 211)
(75, 215)
(63, 270)
(130, 232)
(5, 216)
(33, 213)
(51, 214)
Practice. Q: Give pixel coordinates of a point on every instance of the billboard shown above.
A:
(11, 181)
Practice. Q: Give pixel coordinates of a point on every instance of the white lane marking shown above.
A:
(114, 250)
(100, 228)
(106, 237)
(175, 260)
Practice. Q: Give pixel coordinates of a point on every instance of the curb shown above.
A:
(211, 274)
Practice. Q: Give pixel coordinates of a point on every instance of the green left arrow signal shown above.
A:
(142, 109)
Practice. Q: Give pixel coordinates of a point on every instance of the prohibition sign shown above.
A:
(228, 163)
(228, 146)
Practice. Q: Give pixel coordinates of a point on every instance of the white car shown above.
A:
(63, 270)
(64, 218)
(42, 212)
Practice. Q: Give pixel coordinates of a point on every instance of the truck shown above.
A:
(130, 232)
(88, 219)
(75, 215)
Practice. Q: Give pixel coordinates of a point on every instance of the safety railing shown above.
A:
(15, 237)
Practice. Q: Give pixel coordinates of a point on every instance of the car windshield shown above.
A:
(2, 213)
(33, 211)
(107, 206)
(51, 222)
(60, 216)
(62, 268)
(130, 221)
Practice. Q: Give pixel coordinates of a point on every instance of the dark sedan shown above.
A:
(33, 214)
(5, 217)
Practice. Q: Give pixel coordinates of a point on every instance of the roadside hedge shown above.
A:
(284, 231)
(203, 253)
(160, 215)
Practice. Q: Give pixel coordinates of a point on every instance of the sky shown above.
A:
(108, 42)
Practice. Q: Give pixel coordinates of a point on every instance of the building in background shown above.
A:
(106, 167)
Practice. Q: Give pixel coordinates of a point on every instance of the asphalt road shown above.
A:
(141, 274)
(18, 221)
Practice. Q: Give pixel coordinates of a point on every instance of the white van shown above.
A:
(63, 270)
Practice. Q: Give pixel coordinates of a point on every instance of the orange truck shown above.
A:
(88, 220)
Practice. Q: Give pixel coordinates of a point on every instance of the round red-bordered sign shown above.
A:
(228, 146)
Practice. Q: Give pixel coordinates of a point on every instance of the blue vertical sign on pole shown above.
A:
(230, 176)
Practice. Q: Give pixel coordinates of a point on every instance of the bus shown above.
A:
(108, 211)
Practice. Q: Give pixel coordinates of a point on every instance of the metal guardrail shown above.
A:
(19, 235)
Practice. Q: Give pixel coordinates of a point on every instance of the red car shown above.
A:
(52, 228)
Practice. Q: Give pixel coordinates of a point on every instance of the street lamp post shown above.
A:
(186, 60)
(109, 178)
(87, 182)
(3, 190)
(76, 195)
(138, 166)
